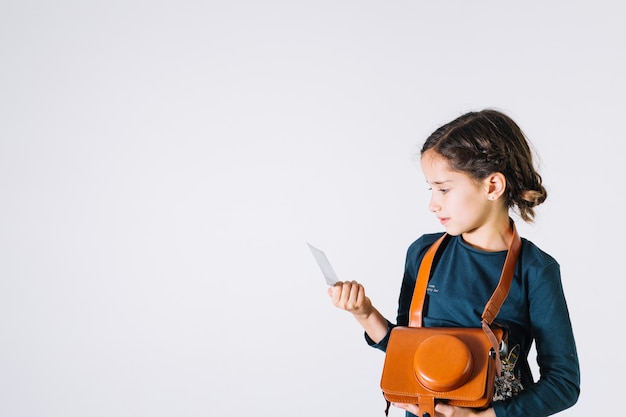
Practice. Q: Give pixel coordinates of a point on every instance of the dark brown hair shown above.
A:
(482, 143)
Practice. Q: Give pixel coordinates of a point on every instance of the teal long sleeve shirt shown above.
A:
(535, 310)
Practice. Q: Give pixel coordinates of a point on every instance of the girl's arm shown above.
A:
(350, 296)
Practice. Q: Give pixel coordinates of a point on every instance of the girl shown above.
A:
(479, 166)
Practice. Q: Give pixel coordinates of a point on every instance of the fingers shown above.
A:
(411, 408)
(441, 409)
(347, 295)
(350, 295)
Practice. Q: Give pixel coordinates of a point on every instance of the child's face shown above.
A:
(460, 203)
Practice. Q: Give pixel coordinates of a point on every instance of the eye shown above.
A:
(441, 190)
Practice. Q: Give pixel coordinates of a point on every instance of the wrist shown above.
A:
(362, 315)
(489, 412)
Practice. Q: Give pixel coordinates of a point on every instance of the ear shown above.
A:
(496, 185)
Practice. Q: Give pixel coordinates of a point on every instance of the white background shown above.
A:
(162, 165)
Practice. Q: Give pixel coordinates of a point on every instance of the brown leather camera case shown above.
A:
(454, 365)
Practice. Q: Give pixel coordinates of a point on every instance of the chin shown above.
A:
(452, 231)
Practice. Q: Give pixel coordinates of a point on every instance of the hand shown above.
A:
(445, 410)
(350, 296)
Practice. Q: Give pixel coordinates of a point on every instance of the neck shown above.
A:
(491, 237)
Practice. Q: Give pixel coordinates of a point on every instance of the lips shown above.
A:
(443, 220)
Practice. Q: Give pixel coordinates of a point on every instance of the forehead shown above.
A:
(437, 169)
(434, 163)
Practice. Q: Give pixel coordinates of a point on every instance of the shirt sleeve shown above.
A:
(558, 387)
(414, 256)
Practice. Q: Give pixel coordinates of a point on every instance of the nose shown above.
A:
(433, 205)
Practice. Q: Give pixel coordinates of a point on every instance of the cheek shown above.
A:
(466, 201)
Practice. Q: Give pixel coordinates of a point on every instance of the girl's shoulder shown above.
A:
(419, 246)
(416, 251)
(534, 257)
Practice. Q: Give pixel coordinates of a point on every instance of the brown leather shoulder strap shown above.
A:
(492, 308)
(423, 275)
